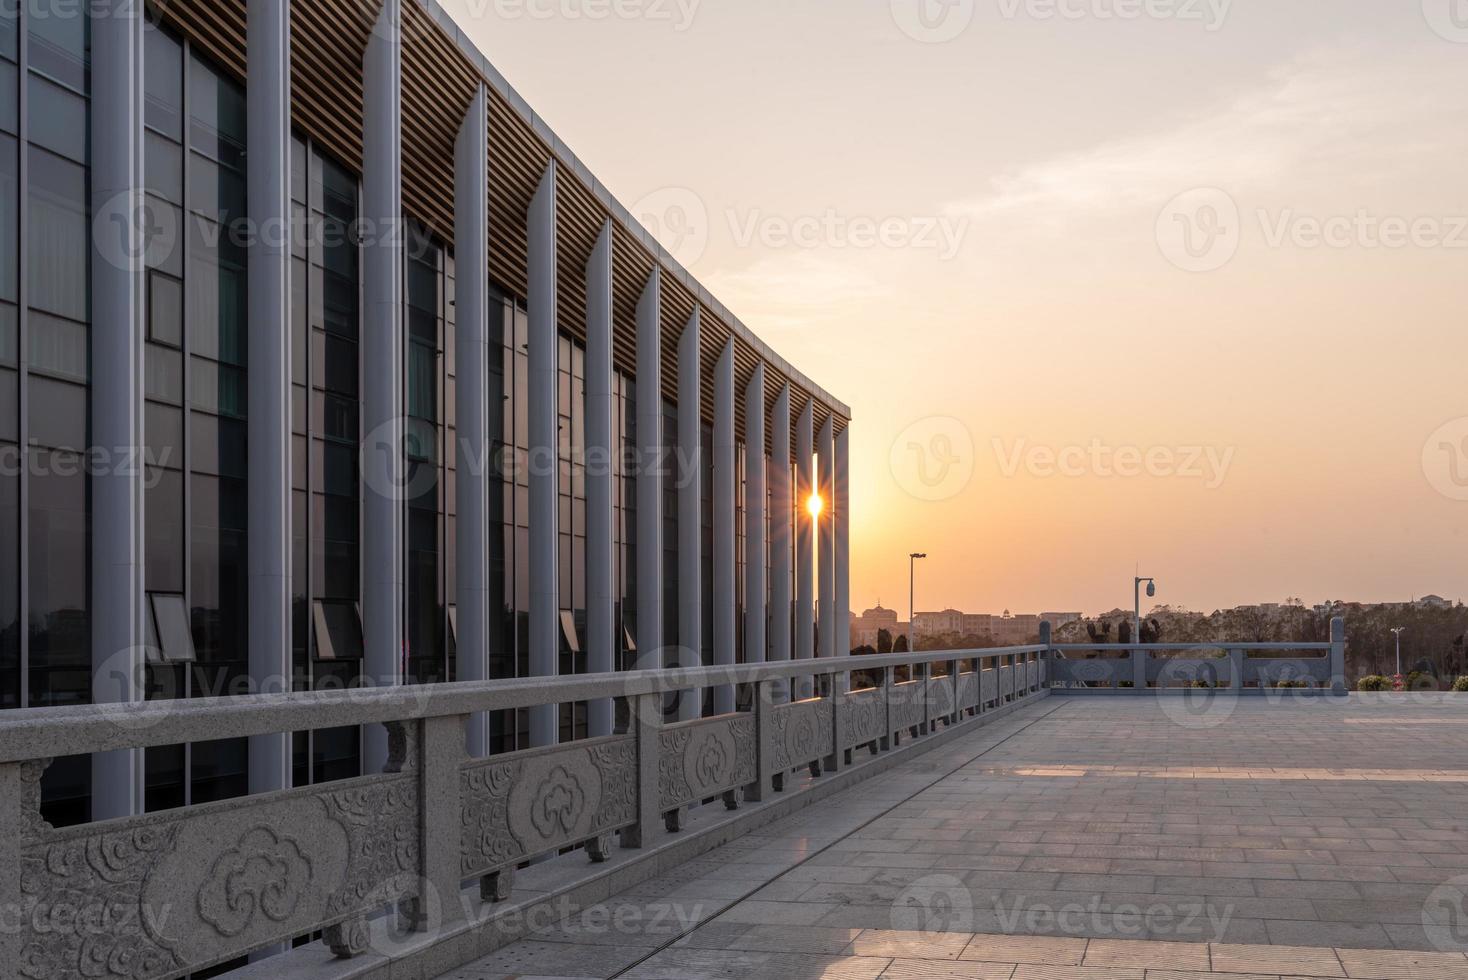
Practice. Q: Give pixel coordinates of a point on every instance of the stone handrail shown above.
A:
(157, 896)
(1139, 669)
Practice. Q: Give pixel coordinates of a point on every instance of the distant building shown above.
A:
(864, 628)
(1433, 602)
(1059, 619)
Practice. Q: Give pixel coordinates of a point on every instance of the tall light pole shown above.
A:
(912, 560)
(1137, 604)
(1398, 631)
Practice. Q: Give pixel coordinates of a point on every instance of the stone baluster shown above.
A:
(646, 723)
(438, 758)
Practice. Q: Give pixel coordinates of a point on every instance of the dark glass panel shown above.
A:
(220, 770)
(9, 563)
(9, 226)
(216, 115)
(10, 29)
(59, 574)
(163, 83)
(164, 766)
(58, 42)
(9, 97)
(58, 238)
(58, 119)
(163, 165)
(164, 507)
(165, 310)
(66, 791)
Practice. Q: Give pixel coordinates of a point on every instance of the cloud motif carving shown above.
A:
(558, 804)
(263, 874)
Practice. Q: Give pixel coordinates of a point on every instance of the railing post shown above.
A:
(929, 722)
(956, 682)
(764, 740)
(1338, 655)
(839, 683)
(19, 799)
(646, 722)
(1236, 670)
(1047, 655)
(889, 679)
(439, 759)
(1139, 668)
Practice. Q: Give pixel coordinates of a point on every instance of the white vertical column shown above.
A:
(118, 603)
(690, 511)
(805, 529)
(471, 405)
(842, 517)
(384, 459)
(755, 505)
(601, 596)
(726, 561)
(268, 489)
(650, 463)
(782, 512)
(544, 455)
(826, 536)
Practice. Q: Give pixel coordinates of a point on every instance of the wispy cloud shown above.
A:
(790, 291)
(1343, 116)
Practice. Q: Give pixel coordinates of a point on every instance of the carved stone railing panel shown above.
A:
(989, 685)
(699, 760)
(1265, 672)
(182, 890)
(801, 733)
(968, 690)
(1006, 681)
(1188, 671)
(940, 696)
(525, 804)
(1099, 670)
(1032, 674)
(864, 717)
(908, 705)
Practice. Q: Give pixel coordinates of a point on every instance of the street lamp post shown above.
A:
(1398, 631)
(1137, 604)
(912, 560)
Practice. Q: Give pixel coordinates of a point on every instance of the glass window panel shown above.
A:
(164, 766)
(220, 770)
(58, 119)
(163, 504)
(163, 167)
(59, 576)
(9, 222)
(58, 413)
(171, 625)
(165, 310)
(58, 239)
(58, 46)
(163, 374)
(9, 573)
(338, 628)
(9, 97)
(217, 115)
(57, 347)
(163, 82)
(10, 29)
(216, 192)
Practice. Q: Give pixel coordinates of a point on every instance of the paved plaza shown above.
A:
(1105, 838)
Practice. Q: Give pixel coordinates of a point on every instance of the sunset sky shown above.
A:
(1184, 290)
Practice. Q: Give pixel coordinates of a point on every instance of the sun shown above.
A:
(815, 505)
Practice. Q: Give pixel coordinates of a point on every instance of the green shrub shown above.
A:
(1461, 685)
(1291, 684)
(1418, 681)
(1375, 682)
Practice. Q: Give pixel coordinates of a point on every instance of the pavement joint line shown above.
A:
(860, 827)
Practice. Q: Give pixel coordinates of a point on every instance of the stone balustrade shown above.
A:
(161, 895)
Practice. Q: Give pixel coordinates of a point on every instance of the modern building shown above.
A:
(324, 362)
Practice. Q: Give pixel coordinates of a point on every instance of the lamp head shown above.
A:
(1151, 589)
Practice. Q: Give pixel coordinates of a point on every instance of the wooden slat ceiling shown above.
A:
(328, 38)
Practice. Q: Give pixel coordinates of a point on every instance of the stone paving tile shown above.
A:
(1146, 955)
